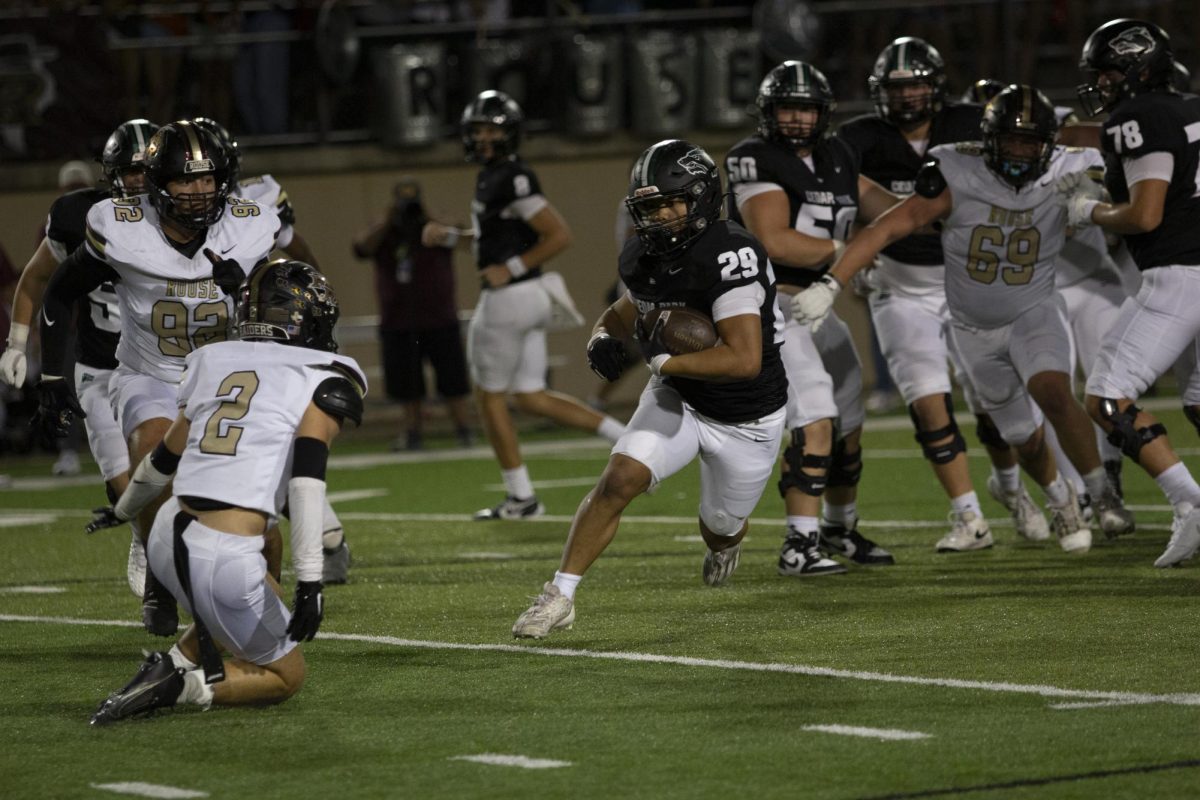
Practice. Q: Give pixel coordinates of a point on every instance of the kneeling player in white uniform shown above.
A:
(724, 404)
(253, 432)
(1003, 228)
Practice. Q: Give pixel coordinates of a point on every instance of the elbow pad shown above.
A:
(930, 181)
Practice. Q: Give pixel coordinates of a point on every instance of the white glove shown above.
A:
(811, 306)
(1081, 194)
(1079, 210)
(12, 362)
(1074, 182)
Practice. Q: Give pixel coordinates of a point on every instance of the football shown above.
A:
(683, 330)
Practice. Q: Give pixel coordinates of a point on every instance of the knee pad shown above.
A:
(721, 523)
(847, 466)
(942, 453)
(1193, 416)
(796, 459)
(987, 432)
(1124, 434)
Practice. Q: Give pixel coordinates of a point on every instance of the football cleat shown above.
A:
(1113, 468)
(1074, 536)
(801, 556)
(551, 610)
(1185, 539)
(160, 614)
(1112, 515)
(336, 568)
(135, 566)
(512, 508)
(838, 541)
(968, 531)
(720, 564)
(1027, 517)
(157, 684)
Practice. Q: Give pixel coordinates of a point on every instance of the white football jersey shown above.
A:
(1000, 243)
(266, 191)
(244, 401)
(169, 303)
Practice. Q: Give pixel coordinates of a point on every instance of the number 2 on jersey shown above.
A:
(242, 386)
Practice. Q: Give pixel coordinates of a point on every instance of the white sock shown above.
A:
(1056, 491)
(1065, 468)
(966, 502)
(180, 660)
(1096, 482)
(195, 690)
(1009, 478)
(610, 429)
(1179, 486)
(333, 536)
(845, 515)
(517, 483)
(566, 583)
(804, 525)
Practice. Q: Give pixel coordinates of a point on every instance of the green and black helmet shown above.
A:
(670, 171)
(906, 61)
(125, 151)
(794, 84)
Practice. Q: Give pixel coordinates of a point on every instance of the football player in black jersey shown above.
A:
(97, 315)
(724, 404)
(1151, 146)
(798, 192)
(515, 230)
(908, 307)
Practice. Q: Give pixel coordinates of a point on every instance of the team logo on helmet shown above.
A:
(198, 165)
(1134, 41)
(692, 163)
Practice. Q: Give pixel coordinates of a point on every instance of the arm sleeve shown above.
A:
(74, 278)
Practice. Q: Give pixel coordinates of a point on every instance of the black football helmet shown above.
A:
(232, 153)
(181, 151)
(1140, 51)
(290, 302)
(794, 83)
(494, 108)
(1018, 112)
(666, 172)
(906, 61)
(982, 91)
(125, 151)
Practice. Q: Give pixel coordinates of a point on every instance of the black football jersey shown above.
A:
(823, 201)
(500, 233)
(724, 258)
(1159, 122)
(887, 158)
(98, 324)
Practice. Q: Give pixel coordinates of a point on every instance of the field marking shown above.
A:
(57, 482)
(1041, 690)
(356, 494)
(883, 734)
(149, 790)
(17, 520)
(557, 483)
(32, 590)
(484, 556)
(1092, 704)
(524, 762)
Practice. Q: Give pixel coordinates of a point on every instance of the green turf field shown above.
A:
(1017, 672)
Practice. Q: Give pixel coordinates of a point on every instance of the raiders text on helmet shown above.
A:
(1015, 114)
(673, 170)
(1139, 51)
(794, 84)
(492, 108)
(290, 302)
(183, 151)
(907, 61)
(125, 150)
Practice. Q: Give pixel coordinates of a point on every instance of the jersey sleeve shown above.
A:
(734, 260)
(523, 192)
(187, 385)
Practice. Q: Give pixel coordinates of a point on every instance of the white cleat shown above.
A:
(801, 557)
(720, 564)
(968, 531)
(135, 567)
(1185, 540)
(1112, 515)
(1074, 536)
(512, 508)
(1027, 517)
(551, 610)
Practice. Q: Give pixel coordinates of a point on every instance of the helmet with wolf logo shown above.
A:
(1139, 51)
(670, 172)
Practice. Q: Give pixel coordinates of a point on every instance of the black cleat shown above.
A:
(157, 684)
(851, 544)
(160, 613)
(336, 567)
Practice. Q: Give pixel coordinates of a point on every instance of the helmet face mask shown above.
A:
(124, 155)
(179, 160)
(288, 302)
(1019, 127)
(491, 127)
(908, 82)
(674, 196)
(1123, 58)
(788, 91)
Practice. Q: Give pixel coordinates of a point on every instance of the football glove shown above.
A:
(103, 518)
(12, 367)
(57, 408)
(811, 306)
(308, 610)
(227, 273)
(606, 356)
(1081, 194)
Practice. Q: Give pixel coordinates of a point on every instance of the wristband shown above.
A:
(18, 335)
(1089, 207)
(516, 266)
(656, 363)
(451, 238)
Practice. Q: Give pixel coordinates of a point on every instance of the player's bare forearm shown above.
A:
(737, 357)
(553, 237)
(767, 217)
(900, 221)
(299, 250)
(32, 284)
(618, 319)
(1142, 214)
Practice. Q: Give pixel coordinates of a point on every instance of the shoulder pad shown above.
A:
(930, 182)
(339, 397)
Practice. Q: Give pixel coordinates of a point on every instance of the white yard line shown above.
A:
(883, 734)
(488, 556)
(1040, 690)
(524, 762)
(32, 590)
(18, 520)
(140, 789)
(558, 483)
(356, 494)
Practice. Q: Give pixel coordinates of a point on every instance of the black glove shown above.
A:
(103, 518)
(307, 611)
(227, 273)
(606, 356)
(57, 407)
